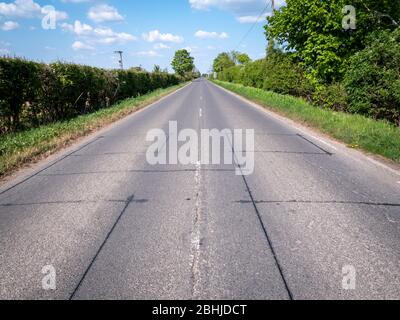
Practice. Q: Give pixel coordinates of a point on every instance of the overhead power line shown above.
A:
(269, 3)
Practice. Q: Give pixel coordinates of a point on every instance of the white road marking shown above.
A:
(201, 112)
(196, 236)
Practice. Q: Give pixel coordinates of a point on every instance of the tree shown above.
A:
(313, 30)
(373, 78)
(242, 58)
(223, 61)
(157, 69)
(183, 63)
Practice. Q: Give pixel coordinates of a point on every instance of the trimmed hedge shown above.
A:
(32, 94)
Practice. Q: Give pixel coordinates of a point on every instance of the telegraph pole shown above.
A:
(271, 42)
(121, 64)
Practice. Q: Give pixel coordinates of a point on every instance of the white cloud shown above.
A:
(78, 28)
(27, 9)
(252, 19)
(104, 13)
(116, 38)
(159, 46)
(78, 45)
(155, 35)
(210, 35)
(20, 8)
(100, 35)
(246, 11)
(9, 25)
(150, 53)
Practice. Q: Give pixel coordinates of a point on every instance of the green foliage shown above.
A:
(373, 78)
(33, 94)
(313, 29)
(227, 60)
(183, 63)
(253, 74)
(333, 96)
(283, 75)
(19, 83)
(240, 58)
(277, 72)
(223, 61)
(157, 69)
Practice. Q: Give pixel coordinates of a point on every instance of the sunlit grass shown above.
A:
(27, 146)
(378, 137)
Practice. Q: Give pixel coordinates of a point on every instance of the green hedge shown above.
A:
(373, 78)
(32, 94)
(278, 72)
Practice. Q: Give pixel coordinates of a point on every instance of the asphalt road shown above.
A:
(115, 227)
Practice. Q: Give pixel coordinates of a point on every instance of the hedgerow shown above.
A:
(32, 94)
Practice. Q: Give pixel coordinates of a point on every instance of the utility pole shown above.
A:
(271, 42)
(121, 64)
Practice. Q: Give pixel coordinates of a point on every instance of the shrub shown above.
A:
(254, 73)
(372, 79)
(19, 83)
(333, 96)
(284, 76)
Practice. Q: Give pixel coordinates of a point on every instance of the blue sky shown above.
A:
(148, 31)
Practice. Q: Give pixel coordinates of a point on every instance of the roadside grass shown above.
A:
(28, 146)
(377, 137)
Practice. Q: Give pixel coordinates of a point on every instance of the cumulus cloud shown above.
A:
(210, 35)
(104, 13)
(156, 35)
(78, 45)
(27, 9)
(99, 35)
(9, 25)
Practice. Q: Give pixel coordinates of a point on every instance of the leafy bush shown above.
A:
(19, 83)
(284, 76)
(254, 73)
(372, 79)
(333, 96)
(32, 93)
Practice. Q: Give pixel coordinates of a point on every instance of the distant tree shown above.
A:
(242, 58)
(223, 61)
(183, 63)
(157, 69)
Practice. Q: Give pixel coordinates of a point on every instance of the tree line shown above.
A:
(334, 56)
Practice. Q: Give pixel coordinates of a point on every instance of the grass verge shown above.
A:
(28, 146)
(377, 137)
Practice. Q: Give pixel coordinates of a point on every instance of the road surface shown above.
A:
(312, 215)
